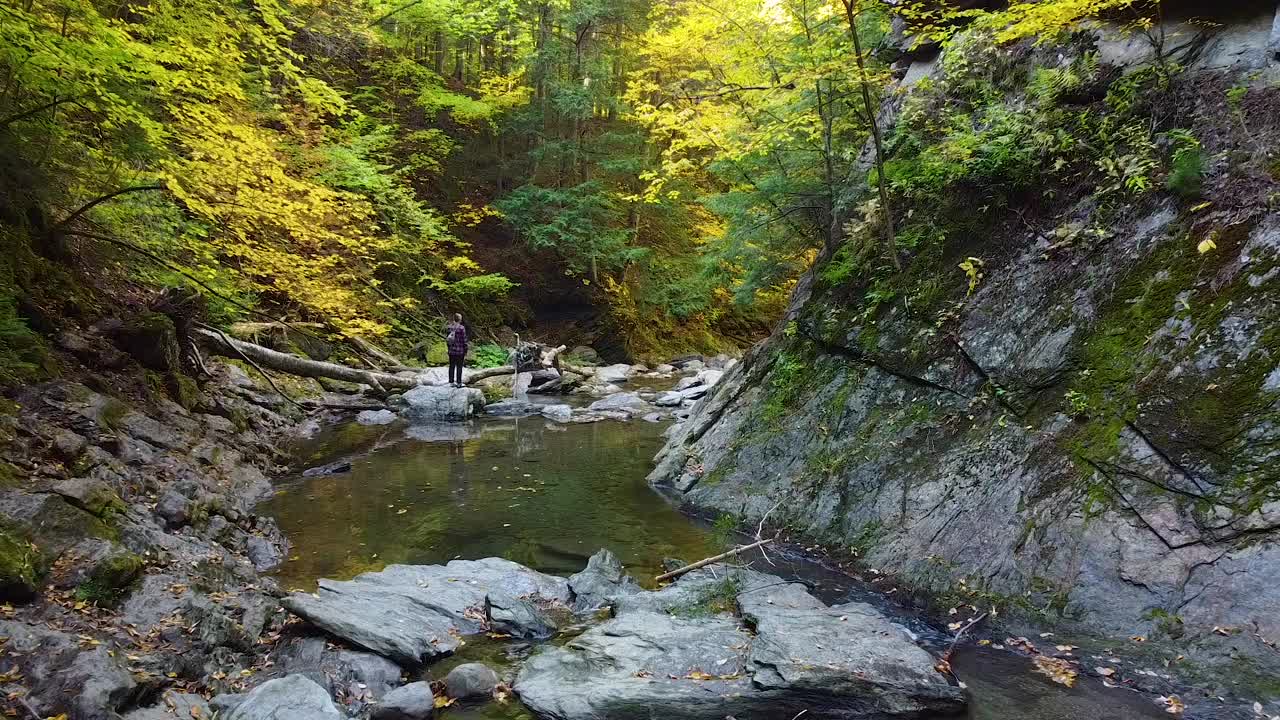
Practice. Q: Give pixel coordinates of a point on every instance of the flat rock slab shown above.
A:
(783, 653)
(414, 613)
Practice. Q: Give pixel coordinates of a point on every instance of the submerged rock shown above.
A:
(413, 613)
(333, 468)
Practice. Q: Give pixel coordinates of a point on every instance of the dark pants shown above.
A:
(455, 368)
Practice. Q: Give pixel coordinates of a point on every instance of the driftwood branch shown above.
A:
(708, 561)
(946, 656)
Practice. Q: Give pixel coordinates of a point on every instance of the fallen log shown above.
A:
(220, 344)
(708, 561)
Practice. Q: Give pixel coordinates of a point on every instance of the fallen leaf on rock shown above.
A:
(1173, 704)
(1065, 648)
(1056, 669)
(443, 702)
(1105, 671)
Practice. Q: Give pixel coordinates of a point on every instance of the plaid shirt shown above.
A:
(457, 343)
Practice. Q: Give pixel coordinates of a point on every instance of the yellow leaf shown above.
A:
(443, 702)
(1206, 245)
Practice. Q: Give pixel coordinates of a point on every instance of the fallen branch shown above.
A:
(708, 561)
(294, 365)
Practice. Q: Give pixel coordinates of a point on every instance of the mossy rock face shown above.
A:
(117, 571)
(152, 340)
(183, 390)
(500, 389)
(19, 567)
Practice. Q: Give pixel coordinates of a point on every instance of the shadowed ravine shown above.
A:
(548, 496)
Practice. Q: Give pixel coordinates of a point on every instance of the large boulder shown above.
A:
(413, 613)
(666, 654)
(293, 697)
(434, 402)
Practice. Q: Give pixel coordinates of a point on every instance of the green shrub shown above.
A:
(488, 355)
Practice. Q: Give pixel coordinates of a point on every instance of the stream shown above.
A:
(548, 496)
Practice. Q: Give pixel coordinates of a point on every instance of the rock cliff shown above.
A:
(1066, 405)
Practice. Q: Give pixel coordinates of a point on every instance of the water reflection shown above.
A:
(524, 489)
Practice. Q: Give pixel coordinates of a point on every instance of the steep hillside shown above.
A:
(1065, 405)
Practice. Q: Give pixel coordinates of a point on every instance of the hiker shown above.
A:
(456, 342)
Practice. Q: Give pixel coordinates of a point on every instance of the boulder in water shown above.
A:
(601, 583)
(671, 398)
(471, 680)
(434, 402)
(559, 413)
(375, 417)
(617, 373)
(414, 701)
(628, 402)
(513, 408)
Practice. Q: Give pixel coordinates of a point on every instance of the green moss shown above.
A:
(19, 566)
(867, 537)
(112, 413)
(109, 581)
(712, 599)
(183, 390)
(493, 392)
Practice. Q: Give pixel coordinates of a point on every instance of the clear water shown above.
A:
(538, 493)
(548, 496)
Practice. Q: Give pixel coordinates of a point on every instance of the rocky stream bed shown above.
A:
(145, 579)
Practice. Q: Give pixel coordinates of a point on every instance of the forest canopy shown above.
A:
(372, 165)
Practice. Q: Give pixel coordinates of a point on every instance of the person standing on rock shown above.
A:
(455, 341)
